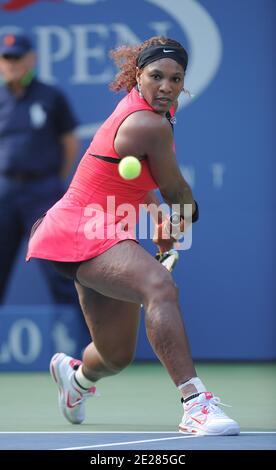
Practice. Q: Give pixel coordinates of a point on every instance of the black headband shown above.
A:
(160, 51)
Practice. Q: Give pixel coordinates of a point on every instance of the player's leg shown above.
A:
(113, 324)
(127, 272)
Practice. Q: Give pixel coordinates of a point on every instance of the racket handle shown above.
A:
(168, 258)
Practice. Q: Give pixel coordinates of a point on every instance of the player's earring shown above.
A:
(139, 89)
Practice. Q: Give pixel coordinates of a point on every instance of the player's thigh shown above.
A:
(113, 324)
(124, 272)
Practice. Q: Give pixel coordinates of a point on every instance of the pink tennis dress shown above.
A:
(99, 208)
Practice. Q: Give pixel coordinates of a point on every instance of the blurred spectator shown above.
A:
(37, 150)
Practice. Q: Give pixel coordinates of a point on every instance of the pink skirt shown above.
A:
(71, 232)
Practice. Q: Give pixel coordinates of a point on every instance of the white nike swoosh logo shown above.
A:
(167, 50)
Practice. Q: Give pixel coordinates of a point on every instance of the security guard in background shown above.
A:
(37, 150)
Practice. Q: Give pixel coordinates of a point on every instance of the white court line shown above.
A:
(90, 432)
(117, 432)
(111, 444)
(126, 443)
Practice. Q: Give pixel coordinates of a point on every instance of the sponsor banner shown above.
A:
(30, 335)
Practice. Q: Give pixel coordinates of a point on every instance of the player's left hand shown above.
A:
(165, 235)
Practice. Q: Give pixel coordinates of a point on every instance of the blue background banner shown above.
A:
(225, 140)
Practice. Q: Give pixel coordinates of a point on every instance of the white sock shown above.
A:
(196, 382)
(82, 381)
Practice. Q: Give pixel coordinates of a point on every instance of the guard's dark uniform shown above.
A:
(30, 161)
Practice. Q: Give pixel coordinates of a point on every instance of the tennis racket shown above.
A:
(168, 259)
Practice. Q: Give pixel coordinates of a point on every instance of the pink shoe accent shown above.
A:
(75, 362)
(53, 373)
(73, 404)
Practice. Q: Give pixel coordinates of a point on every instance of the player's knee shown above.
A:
(169, 291)
(161, 288)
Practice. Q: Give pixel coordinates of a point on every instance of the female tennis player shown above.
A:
(113, 274)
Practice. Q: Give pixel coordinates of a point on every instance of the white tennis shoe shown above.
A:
(202, 416)
(71, 397)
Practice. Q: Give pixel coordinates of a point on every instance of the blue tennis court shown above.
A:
(134, 441)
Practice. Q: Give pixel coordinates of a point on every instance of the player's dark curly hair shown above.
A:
(125, 58)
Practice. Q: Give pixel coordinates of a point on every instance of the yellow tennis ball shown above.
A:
(129, 168)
